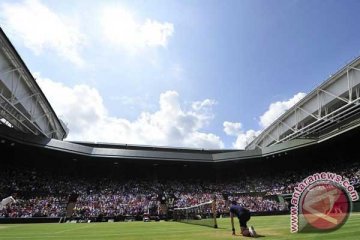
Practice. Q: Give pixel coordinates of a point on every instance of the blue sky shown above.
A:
(198, 74)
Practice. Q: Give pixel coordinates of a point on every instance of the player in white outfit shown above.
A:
(6, 201)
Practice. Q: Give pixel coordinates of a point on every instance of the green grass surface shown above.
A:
(272, 227)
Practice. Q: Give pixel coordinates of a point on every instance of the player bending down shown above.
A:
(6, 201)
(243, 215)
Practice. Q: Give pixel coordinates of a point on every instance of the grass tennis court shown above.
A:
(272, 227)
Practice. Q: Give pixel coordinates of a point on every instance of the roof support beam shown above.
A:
(333, 95)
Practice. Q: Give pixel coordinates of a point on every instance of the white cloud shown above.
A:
(243, 138)
(41, 29)
(121, 28)
(134, 102)
(278, 108)
(203, 105)
(82, 109)
(231, 128)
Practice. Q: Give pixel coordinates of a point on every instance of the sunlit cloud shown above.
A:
(81, 107)
(275, 110)
(243, 138)
(40, 29)
(121, 28)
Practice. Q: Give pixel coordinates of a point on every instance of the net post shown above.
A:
(213, 209)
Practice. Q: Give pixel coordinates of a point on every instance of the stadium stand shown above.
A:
(45, 183)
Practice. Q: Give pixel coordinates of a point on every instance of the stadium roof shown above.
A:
(331, 108)
(151, 153)
(23, 105)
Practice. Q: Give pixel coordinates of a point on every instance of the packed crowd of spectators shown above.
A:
(46, 195)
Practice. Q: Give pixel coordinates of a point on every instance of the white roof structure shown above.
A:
(330, 109)
(23, 106)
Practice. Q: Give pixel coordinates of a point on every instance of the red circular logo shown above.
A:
(325, 206)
